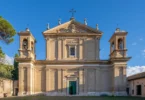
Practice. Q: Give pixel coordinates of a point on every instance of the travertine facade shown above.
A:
(72, 65)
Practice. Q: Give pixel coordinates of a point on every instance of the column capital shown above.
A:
(47, 38)
(98, 38)
(63, 38)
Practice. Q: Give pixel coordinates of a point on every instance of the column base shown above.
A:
(20, 94)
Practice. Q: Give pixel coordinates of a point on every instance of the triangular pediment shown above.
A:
(72, 26)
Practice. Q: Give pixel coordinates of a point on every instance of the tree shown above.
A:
(6, 31)
(5, 70)
(15, 71)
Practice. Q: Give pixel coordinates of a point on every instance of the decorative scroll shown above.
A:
(72, 29)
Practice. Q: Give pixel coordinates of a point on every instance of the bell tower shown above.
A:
(27, 44)
(118, 59)
(118, 44)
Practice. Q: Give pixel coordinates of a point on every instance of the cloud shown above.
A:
(134, 43)
(131, 70)
(143, 53)
(9, 60)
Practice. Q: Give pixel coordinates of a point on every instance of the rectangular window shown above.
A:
(72, 51)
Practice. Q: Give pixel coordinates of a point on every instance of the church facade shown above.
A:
(72, 65)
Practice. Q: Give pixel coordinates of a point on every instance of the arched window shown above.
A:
(120, 44)
(25, 44)
(112, 46)
(32, 47)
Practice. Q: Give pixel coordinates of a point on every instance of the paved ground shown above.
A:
(71, 98)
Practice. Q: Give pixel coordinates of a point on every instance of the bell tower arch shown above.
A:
(27, 44)
(118, 44)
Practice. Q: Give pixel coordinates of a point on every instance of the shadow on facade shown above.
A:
(79, 81)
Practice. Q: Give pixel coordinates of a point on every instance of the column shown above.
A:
(115, 81)
(59, 80)
(59, 49)
(62, 53)
(98, 80)
(64, 49)
(47, 49)
(124, 78)
(124, 44)
(64, 81)
(29, 80)
(29, 43)
(85, 80)
(110, 48)
(116, 43)
(84, 49)
(80, 49)
(56, 48)
(97, 48)
(21, 42)
(47, 79)
(21, 79)
(81, 81)
(33, 80)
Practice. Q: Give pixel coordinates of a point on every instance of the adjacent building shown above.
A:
(136, 85)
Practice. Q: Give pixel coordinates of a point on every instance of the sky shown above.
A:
(128, 15)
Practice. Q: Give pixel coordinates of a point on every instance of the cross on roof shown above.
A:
(72, 11)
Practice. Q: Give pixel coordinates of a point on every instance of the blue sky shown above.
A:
(128, 14)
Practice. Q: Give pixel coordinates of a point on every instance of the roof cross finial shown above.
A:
(59, 21)
(27, 28)
(48, 27)
(117, 29)
(97, 27)
(85, 21)
(72, 11)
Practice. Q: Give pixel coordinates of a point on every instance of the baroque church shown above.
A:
(72, 65)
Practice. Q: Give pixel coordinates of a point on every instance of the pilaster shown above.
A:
(59, 81)
(64, 48)
(21, 42)
(47, 49)
(124, 38)
(81, 80)
(97, 48)
(21, 81)
(64, 80)
(98, 80)
(80, 48)
(29, 79)
(29, 43)
(59, 49)
(47, 79)
(85, 80)
(85, 49)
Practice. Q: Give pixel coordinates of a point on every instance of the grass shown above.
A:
(71, 98)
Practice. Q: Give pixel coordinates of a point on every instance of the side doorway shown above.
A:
(138, 90)
(72, 87)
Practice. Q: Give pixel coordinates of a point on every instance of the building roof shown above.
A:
(72, 26)
(136, 76)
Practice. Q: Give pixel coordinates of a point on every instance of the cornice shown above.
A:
(118, 59)
(71, 62)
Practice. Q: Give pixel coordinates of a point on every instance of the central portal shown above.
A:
(72, 87)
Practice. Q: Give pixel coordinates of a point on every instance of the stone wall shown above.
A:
(6, 86)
